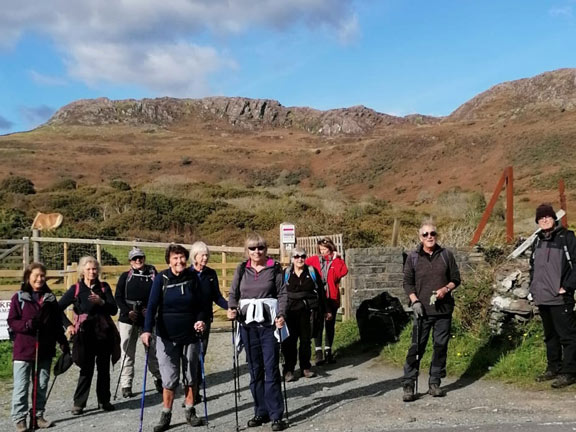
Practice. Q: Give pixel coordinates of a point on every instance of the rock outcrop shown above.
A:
(553, 91)
(241, 112)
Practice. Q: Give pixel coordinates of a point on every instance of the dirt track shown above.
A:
(356, 394)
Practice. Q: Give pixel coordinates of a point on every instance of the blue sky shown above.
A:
(398, 57)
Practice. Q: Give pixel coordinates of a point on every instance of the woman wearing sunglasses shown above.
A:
(258, 300)
(306, 301)
(332, 268)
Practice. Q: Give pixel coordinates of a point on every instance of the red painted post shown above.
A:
(509, 205)
(489, 208)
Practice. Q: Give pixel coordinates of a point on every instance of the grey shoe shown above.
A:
(21, 426)
(76, 410)
(547, 376)
(408, 395)
(191, 417)
(164, 423)
(319, 358)
(436, 391)
(564, 380)
(127, 392)
(307, 373)
(42, 423)
(288, 376)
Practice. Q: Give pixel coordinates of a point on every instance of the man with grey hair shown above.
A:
(430, 276)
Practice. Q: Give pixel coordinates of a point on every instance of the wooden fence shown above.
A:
(224, 259)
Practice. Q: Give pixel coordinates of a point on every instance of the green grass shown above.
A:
(5, 359)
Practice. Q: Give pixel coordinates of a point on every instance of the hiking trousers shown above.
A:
(439, 326)
(560, 337)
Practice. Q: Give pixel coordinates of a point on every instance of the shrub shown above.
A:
(120, 185)
(63, 185)
(13, 223)
(17, 184)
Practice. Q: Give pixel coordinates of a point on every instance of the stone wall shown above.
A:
(373, 270)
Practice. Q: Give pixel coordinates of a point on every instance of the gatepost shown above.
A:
(287, 241)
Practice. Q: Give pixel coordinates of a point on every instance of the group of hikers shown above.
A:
(171, 313)
(271, 310)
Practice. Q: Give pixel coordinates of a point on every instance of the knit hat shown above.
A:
(544, 210)
(136, 252)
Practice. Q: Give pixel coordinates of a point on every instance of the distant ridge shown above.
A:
(243, 112)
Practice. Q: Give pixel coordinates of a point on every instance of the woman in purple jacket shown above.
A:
(35, 322)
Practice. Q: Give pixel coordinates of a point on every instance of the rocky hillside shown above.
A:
(548, 93)
(245, 113)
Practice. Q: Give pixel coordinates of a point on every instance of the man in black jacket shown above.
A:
(430, 276)
(132, 294)
(552, 284)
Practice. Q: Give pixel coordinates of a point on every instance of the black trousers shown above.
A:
(331, 307)
(298, 322)
(560, 337)
(440, 326)
(100, 357)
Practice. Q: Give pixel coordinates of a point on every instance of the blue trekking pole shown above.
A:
(203, 380)
(143, 389)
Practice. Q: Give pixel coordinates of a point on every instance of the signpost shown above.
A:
(287, 241)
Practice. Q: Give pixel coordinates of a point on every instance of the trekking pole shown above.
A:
(203, 380)
(144, 389)
(35, 383)
(417, 320)
(235, 369)
(123, 360)
(283, 377)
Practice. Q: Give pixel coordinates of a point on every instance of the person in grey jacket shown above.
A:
(552, 285)
(258, 300)
(430, 276)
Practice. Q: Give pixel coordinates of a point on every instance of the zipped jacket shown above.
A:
(336, 271)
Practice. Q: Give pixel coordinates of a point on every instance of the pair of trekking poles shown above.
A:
(202, 373)
(236, 373)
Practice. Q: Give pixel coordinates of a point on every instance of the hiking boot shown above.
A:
(158, 385)
(436, 391)
(329, 357)
(106, 406)
(307, 373)
(258, 421)
(42, 423)
(279, 425)
(164, 423)
(564, 380)
(547, 376)
(21, 426)
(288, 376)
(408, 395)
(77, 410)
(127, 392)
(191, 417)
(319, 358)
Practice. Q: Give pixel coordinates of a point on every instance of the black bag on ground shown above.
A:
(381, 319)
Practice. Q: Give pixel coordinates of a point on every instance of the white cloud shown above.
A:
(561, 12)
(35, 115)
(149, 42)
(51, 81)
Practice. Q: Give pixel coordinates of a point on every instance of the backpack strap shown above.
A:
(566, 252)
(287, 274)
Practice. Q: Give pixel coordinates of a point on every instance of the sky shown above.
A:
(395, 56)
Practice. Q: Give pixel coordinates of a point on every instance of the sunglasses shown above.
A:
(138, 259)
(299, 256)
(431, 234)
(253, 248)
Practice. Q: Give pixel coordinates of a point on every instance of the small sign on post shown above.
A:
(4, 308)
(287, 241)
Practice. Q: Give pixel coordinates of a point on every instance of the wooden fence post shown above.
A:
(25, 252)
(36, 246)
(99, 253)
(395, 232)
(65, 257)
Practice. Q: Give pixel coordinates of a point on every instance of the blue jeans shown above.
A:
(263, 353)
(23, 377)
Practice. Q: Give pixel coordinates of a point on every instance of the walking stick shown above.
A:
(203, 380)
(35, 383)
(417, 319)
(235, 369)
(283, 377)
(144, 389)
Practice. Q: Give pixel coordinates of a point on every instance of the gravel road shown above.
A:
(355, 394)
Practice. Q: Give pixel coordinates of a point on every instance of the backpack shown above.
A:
(152, 275)
(414, 255)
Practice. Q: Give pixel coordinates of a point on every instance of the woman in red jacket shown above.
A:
(333, 269)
